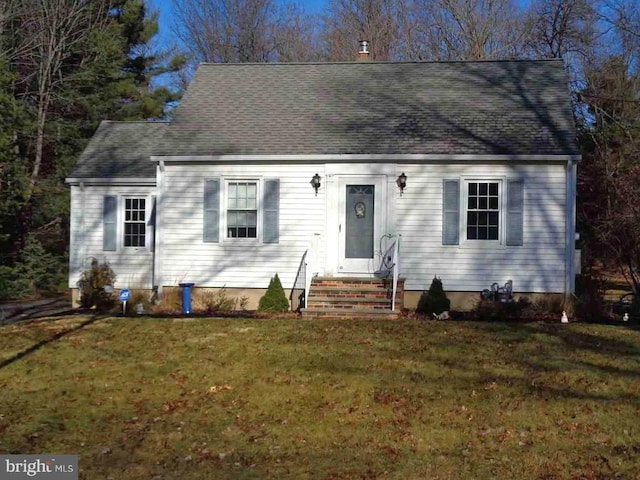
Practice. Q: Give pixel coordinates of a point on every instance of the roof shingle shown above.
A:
(120, 150)
(491, 107)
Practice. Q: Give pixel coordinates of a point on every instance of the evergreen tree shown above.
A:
(274, 300)
(103, 67)
(435, 300)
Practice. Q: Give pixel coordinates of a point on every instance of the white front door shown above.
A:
(362, 222)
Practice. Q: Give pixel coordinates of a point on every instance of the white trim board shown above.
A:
(385, 158)
(111, 181)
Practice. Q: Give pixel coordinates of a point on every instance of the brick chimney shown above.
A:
(363, 53)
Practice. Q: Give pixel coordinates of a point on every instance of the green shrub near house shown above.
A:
(92, 285)
(434, 301)
(274, 300)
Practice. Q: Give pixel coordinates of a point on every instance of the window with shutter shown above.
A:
(488, 214)
(250, 210)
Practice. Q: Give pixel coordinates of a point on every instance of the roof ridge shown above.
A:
(387, 62)
(136, 121)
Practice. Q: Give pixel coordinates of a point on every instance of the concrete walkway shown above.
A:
(29, 309)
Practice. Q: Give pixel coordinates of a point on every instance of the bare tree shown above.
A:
(351, 20)
(223, 31)
(462, 29)
(296, 37)
(560, 27)
(54, 29)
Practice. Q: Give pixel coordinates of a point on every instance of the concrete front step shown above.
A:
(345, 314)
(355, 302)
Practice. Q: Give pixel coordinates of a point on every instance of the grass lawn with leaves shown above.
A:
(227, 398)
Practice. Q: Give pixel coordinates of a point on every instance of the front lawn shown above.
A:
(213, 398)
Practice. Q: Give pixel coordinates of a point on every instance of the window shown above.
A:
(483, 210)
(242, 210)
(135, 222)
(237, 206)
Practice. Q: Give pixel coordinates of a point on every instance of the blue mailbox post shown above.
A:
(186, 297)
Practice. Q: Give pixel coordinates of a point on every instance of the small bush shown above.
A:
(92, 283)
(219, 301)
(589, 298)
(435, 300)
(274, 300)
(138, 297)
(490, 310)
(170, 302)
(36, 271)
(39, 268)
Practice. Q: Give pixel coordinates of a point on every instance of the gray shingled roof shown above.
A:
(494, 107)
(120, 150)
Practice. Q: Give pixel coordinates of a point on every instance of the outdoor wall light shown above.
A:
(401, 182)
(315, 183)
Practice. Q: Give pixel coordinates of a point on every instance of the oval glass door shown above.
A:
(359, 221)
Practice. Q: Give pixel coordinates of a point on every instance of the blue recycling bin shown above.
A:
(186, 297)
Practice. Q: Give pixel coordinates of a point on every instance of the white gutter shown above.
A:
(159, 230)
(111, 181)
(407, 158)
(570, 234)
(83, 233)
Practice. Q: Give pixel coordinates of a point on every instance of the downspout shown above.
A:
(81, 241)
(570, 248)
(157, 234)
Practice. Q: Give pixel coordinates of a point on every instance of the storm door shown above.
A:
(360, 229)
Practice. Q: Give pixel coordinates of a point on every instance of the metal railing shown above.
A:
(299, 290)
(390, 264)
(307, 269)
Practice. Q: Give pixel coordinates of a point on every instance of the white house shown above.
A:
(221, 196)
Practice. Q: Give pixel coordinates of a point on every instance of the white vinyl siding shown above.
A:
(538, 265)
(535, 262)
(133, 266)
(187, 258)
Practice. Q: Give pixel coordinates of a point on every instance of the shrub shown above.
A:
(219, 301)
(274, 300)
(170, 302)
(92, 283)
(435, 300)
(12, 284)
(36, 271)
(589, 301)
(503, 311)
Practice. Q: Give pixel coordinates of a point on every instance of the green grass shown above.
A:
(215, 398)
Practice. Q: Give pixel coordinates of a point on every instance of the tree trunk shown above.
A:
(41, 121)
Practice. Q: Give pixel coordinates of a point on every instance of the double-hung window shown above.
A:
(128, 222)
(242, 209)
(484, 211)
(239, 208)
(135, 222)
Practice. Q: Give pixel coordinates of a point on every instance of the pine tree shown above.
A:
(274, 300)
(435, 300)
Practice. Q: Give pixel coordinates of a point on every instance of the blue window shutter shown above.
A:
(515, 212)
(110, 223)
(211, 230)
(451, 212)
(270, 213)
(152, 224)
